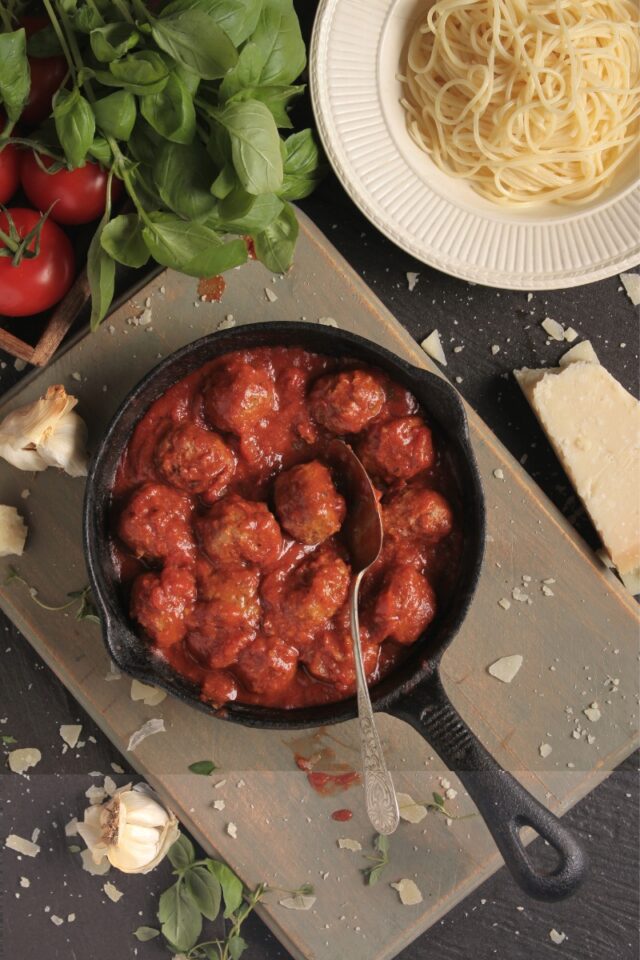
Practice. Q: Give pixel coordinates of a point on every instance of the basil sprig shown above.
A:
(185, 105)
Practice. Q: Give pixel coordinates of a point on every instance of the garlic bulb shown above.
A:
(46, 433)
(132, 829)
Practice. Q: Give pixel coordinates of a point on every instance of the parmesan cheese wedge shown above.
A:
(593, 425)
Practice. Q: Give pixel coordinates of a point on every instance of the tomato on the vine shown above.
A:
(79, 195)
(10, 158)
(35, 283)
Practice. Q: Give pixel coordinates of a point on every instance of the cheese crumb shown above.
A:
(270, 294)
(218, 804)
(553, 328)
(112, 892)
(70, 733)
(504, 603)
(408, 892)
(570, 334)
(557, 937)
(592, 713)
(146, 692)
(498, 474)
(631, 283)
(346, 844)
(506, 668)
(327, 321)
(433, 348)
(545, 750)
(412, 279)
(21, 845)
(232, 830)
(23, 759)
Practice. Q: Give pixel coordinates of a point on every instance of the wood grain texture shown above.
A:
(276, 840)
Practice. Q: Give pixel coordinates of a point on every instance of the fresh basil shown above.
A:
(238, 18)
(75, 124)
(196, 42)
(224, 182)
(203, 767)
(14, 72)
(231, 885)
(180, 919)
(246, 72)
(191, 247)
(101, 273)
(205, 890)
(181, 854)
(123, 241)
(101, 151)
(236, 946)
(275, 244)
(302, 166)
(276, 98)
(279, 39)
(142, 72)
(116, 114)
(144, 934)
(112, 41)
(255, 145)
(171, 112)
(236, 205)
(180, 175)
(263, 211)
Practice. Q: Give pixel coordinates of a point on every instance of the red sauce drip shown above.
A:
(342, 815)
(212, 288)
(328, 784)
(251, 248)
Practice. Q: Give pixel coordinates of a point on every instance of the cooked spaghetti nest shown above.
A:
(530, 101)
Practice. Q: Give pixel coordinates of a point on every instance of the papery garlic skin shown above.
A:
(46, 433)
(13, 532)
(133, 830)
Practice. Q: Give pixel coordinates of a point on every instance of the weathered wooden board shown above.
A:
(571, 643)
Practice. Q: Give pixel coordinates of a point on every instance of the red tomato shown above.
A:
(35, 284)
(79, 194)
(47, 74)
(10, 158)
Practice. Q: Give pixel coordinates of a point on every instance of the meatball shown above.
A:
(162, 602)
(418, 512)
(330, 658)
(238, 395)
(233, 590)
(218, 688)
(267, 666)
(307, 504)
(345, 402)
(235, 530)
(214, 641)
(403, 607)
(156, 523)
(397, 449)
(300, 602)
(194, 459)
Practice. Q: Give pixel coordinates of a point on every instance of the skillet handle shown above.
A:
(504, 804)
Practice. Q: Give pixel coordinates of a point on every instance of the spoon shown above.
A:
(363, 530)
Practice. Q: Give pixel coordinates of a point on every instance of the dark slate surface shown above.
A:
(601, 921)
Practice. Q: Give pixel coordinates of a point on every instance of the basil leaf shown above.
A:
(180, 174)
(275, 245)
(87, 18)
(236, 947)
(255, 145)
(231, 885)
(143, 934)
(196, 42)
(101, 151)
(171, 111)
(191, 247)
(205, 891)
(236, 205)
(189, 79)
(112, 41)
(122, 239)
(101, 273)
(238, 18)
(75, 124)
(144, 142)
(181, 853)
(381, 843)
(278, 38)
(14, 72)
(276, 98)
(264, 211)
(179, 916)
(302, 166)
(44, 43)
(116, 114)
(140, 73)
(203, 767)
(246, 72)
(224, 182)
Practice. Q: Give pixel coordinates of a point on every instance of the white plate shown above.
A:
(355, 57)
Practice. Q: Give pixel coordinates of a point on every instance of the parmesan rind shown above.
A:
(13, 532)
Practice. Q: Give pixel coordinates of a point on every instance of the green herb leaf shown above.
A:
(231, 885)
(203, 767)
(373, 874)
(236, 947)
(381, 843)
(246, 72)
(263, 212)
(302, 166)
(122, 239)
(276, 98)
(181, 853)
(205, 891)
(238, 18)
(101, 273)
(87, 18)
(191, 247)
(171, 111)
(75, 124)
(142, 73)
(224, 182)
(196, 42)
(278, 38)
(112, 41)
(255, 145)
(14, 72)
(143, 934)
(101, 151)
(116, 114)
(7, 739)
(275, 244)
(181, 176)
(180, 919)
(438, 800)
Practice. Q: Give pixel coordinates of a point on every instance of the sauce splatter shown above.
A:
(251, 247)
(212, 288)
(342, 815)
(328, 784)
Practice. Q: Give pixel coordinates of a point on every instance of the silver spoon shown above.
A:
(363, 529)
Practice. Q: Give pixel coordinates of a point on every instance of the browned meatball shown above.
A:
(233, 590)
(397, 449)
(194, 459)
(308, 505)
(162, 602)
(156, 523)
(214, 641)
(235, 530)
(300, 602)
(345, 402)
(329, 657)
(238, 395)
(417, 512)
(267, 666)
(403, 607)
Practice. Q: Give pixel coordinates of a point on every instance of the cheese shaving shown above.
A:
(410, 811)
(408, 892)
(506, 668)
(432, 346)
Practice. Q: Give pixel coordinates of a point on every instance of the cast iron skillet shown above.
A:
(413, 691)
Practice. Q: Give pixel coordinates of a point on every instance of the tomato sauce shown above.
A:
(226, 526)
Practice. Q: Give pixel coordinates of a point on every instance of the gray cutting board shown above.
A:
(571, 643)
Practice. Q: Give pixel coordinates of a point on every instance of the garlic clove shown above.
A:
(130, 833)
(45, 433)
(132, 858)
(66, 446)
(142, 810)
